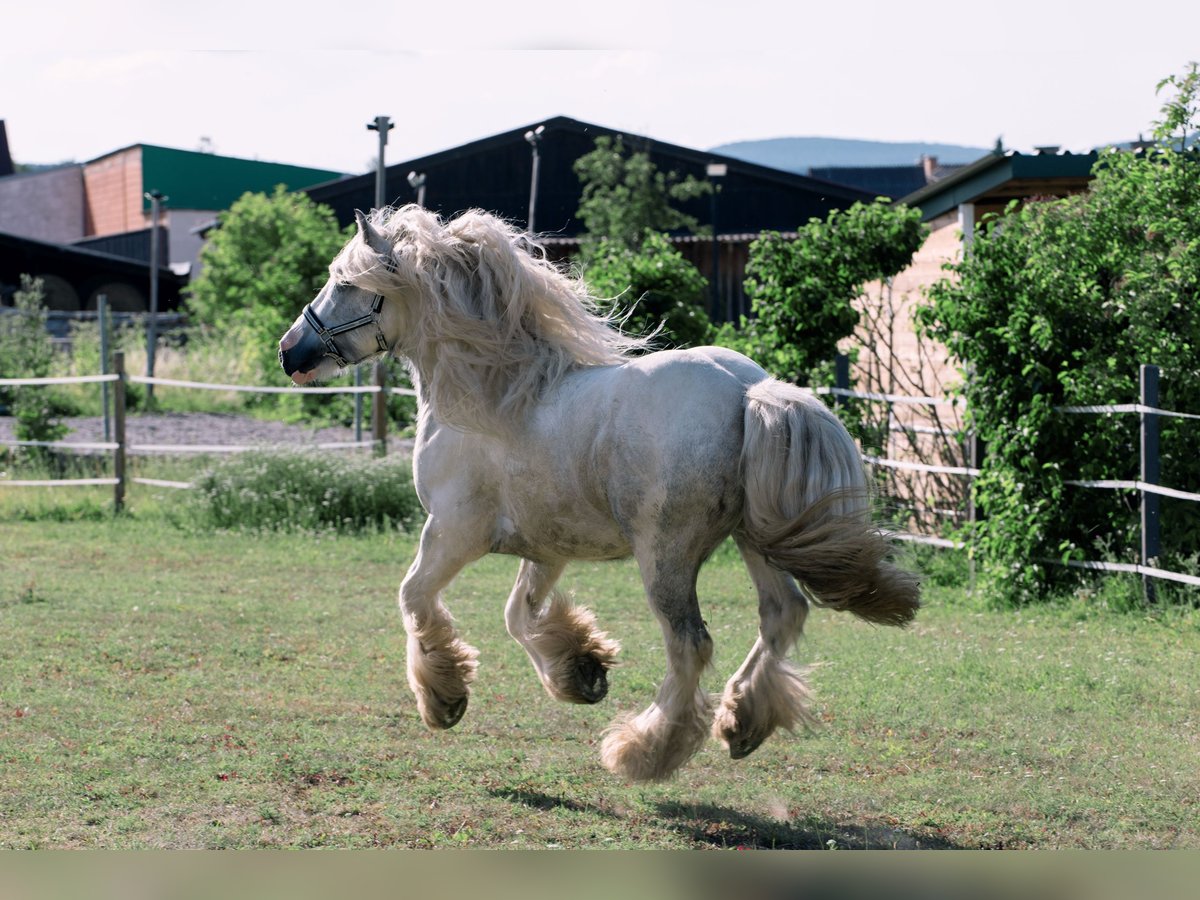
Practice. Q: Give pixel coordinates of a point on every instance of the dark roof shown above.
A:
(999, 177)
(886, 181)
(494, 173)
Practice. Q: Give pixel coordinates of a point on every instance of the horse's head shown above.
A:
(348, 322)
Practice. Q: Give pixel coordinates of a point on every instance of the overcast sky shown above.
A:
(297, 82)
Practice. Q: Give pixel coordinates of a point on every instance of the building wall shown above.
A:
(902, 363)
(113, 193)
(893, 359)
(44, 206)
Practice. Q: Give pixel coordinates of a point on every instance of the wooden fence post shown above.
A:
(379, 411)
(1150, 474)
(118, 365)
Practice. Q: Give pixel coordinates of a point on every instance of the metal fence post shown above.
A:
(841, 377)
(119, 430)
(379, 411)
(1150, 474)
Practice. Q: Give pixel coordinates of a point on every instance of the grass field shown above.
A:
(167, 689)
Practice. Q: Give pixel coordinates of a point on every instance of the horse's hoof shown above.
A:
(454, 712)
(591, 679)
(742, 743)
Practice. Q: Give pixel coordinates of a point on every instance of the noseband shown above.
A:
(327, 334)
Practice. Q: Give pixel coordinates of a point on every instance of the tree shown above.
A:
(625, 195)
(658, 287)
(269, 257)
(802, 291)
(625, 208)
(1057, 303)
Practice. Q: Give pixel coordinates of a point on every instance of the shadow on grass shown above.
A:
(538, 800)
(718, 826)
(706, 825)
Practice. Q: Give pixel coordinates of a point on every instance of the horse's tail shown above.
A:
(807, 507)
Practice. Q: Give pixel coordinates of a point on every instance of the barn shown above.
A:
(496, 174)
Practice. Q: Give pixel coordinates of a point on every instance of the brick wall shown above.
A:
(113, 193)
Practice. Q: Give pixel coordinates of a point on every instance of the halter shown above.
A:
(327, 334)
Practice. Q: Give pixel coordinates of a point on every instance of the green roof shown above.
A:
(193, 180)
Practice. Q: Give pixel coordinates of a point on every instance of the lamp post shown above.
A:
(156, 200)
(715, 172)
(417, 181)
(535, 139)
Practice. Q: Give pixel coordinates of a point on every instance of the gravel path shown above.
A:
(203, 428)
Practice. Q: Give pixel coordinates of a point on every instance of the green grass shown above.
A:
(160, 688)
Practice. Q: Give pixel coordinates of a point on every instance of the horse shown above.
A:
(546, 433)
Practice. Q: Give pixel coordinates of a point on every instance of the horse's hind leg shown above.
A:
(653, 744)
(570, 654)
(766, 692)
(440, 665)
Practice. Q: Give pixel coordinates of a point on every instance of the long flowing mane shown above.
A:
(489, 323)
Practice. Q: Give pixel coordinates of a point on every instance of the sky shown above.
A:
(297, 82)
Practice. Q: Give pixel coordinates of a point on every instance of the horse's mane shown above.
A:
(489, 323)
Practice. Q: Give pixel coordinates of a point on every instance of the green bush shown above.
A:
(278, 490)
(802, 291)
(655, 286)
(26, 351)
(1057, 303)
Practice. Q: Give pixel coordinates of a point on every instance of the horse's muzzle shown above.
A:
(300, 351)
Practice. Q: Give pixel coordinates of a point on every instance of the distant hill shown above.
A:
(799, 154)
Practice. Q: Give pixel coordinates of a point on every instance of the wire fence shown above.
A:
(1147, 486)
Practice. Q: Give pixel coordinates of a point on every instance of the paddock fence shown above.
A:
(121, 448)
(1147, 486)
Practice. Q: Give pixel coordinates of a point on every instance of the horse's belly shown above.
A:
(554, 539)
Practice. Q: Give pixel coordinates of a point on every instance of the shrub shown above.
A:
(1058, 303)
(802, 291)
(26, 351)
(656, 286)
(289, 490)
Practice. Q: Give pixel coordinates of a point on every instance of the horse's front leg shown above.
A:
(440, 665)
(570, 654)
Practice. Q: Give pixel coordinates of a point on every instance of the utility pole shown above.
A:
(535, 139)
(156, 200)
(382, 124)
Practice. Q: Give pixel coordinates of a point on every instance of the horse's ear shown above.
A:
(370, 234)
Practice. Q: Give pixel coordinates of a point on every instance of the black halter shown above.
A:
(327, 334)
